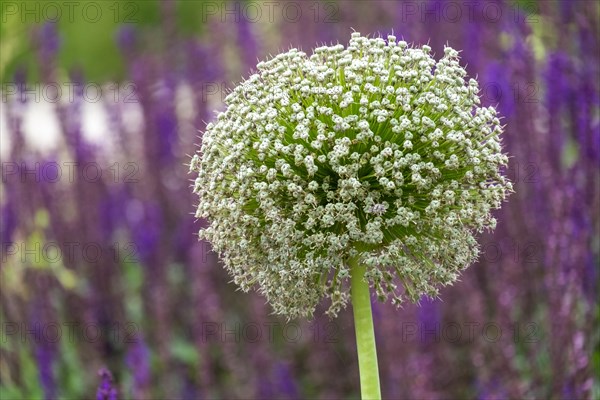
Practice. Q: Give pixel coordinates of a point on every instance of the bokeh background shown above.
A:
(106, 291)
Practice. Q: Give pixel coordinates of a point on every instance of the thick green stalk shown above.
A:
(365, 335)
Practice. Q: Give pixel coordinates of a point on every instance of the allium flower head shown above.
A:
(375, 151)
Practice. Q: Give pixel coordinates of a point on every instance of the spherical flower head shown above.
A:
(375, 152)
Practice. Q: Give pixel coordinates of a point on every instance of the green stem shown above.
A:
(365, 335)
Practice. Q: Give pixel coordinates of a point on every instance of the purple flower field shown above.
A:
(107, 293)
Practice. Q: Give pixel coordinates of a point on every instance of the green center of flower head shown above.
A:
(374, 152)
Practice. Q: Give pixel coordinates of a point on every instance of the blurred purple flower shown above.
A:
(190, 391)
(569, 392)
(70, 118)
(286, 384)
(497, 89)
(184, 239)
(265, 387)
(588, 97)
(8, 224)
(20, 80)
(472, 44)
(49, 40)
(557, 80)
(138, 361)
(45, 354)
(15, 111)
(106, 390)
(166, 120)
(558, 94)
(145, 220)
(202, 63)
(429, 319)
(590, 279)
(204, 73)
(566, 11)
(489, 390)
(375, 307)
(247, 43)
(126, 38)
(111, 211)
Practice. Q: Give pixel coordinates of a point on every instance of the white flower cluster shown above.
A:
(374, 151)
